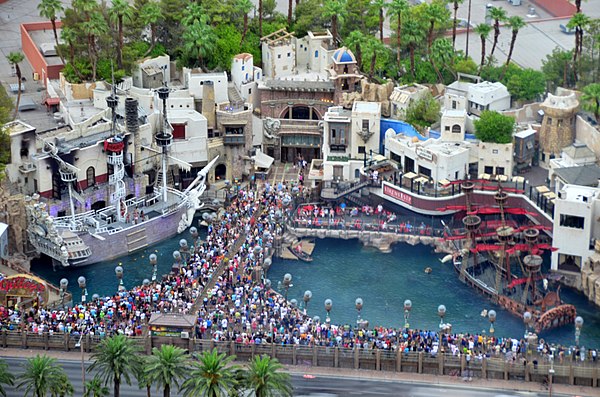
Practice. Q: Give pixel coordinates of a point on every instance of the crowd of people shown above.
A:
(222, 281)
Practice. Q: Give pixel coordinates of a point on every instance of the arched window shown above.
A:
(456, 128)
(91, 176)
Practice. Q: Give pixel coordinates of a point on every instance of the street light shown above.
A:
(328, 306)
(119, 274)
(82, 284)
(64, 283)
(407, 308)
(441, 313)
(267, 284)
(527, 320)
(492, 317)
(287, 283)
(551, 372)
(360, 323)
(153, 261)
(185, 249)
(146, 282)
(578, 325)
(194, 233)
(307, 296)
(177, 259)
(80, 345)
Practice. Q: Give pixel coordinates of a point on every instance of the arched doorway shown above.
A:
(220, 172)
(91, 176)
(98, 205)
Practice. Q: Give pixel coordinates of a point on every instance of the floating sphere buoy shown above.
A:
(428, 270)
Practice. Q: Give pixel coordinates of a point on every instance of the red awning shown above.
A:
(51, 101)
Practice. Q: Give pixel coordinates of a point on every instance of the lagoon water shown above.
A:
(343, 270)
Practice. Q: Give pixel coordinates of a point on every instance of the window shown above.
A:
(396, 158)
(316, 53)
(456, 129)
(453, 104)
(249, 91)
(409, 164)
(576, 222)
(365, 125)
(424, 171)
(278, 56)
(338, 172)
(494, 151)
(289, 54)
(488, 169)
(570, 263)
(243, 68)
(91, 176)
(362, 150)
(447, 128)
(550, 120)
(337, 137)
(213, 134)
(499, 170)
(178, 131)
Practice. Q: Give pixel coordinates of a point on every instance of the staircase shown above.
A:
(158, 182)
(331, 194)
(136, 240)
(357, 199)
(233, 94)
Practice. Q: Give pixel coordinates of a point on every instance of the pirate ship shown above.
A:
(499, 252)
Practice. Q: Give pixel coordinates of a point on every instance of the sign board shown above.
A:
(3, 240)
(396, 194)
(424, 153)
(24, 285)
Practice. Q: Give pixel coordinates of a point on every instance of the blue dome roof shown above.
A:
(343, 55)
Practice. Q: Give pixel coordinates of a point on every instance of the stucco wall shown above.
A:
(588, 134)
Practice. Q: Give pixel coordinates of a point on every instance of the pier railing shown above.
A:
(532, 367)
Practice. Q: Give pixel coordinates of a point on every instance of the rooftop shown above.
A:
(366, 107)
(18, 127)
(587, 175)
(576, 193)
(578, 150)
(45, 39)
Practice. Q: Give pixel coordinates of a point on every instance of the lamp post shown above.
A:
(95, 298)
(79, 344)
(578, 325)
(146, 282)
(64, 283)
(267, 284)
(407, 308)
(441, 313)
(177, 259)
(551, 372)
(328, 306)
(153, 261)
(119, 274)
(293, 303)
(287, 283)
(194, 233)
(492, 317)
(82, 284)
(307, 296)
(185, 249)
(360, 323)
(527, 320)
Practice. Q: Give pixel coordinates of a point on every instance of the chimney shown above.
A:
(208, 103)
(131, 122)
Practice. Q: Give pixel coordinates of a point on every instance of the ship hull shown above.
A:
(129, 240)
(555, 317)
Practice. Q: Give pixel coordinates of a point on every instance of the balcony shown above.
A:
(234, 139)
(27, 167)
(337, 147)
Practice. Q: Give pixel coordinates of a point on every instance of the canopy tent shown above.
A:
(262, 160)
(409, 175)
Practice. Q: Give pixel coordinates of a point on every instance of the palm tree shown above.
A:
(379, 5)
(69, 36)
(199, 40)
(435, 14)
(373, 47)
(591, 99)
(62, 387)
(354, 41)
(483, 30)
(442, 52)
(498, 14)
(6, 378)
(468, 29)
(396, 8)
(336, 10)
(414, 34)
(211, 376)
(150, 14)
(95, 26)
(260, 17)
(49, 9)
(42, 376)
(515, 23)
(14, 58)
(455, 20)
(120, 12)
(244, 6)
(115, 360)
(578, 22)
(264, 377)
(95, 388)
(166, 367)
(290, 11)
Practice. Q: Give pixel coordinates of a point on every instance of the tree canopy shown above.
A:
(423, 112)
(494, 127)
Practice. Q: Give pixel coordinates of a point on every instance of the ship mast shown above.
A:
(163, 138)
(114, 146)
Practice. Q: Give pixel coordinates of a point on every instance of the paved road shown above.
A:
(317, 386)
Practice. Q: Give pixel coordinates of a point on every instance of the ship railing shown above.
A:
(136, 201)
(177, 193)
(68, 218)
(169, 209)
(114, 230)
(106, 212)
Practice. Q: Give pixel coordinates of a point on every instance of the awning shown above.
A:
(379, 157)
(542, 189)
(550, 195)
(409, 175)
(421, 180)
(444, 182)
(487, 177)
(502, 178)
(262, 160)
(518, 179)
(51, 101)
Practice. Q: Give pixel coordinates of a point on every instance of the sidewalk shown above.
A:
(405, 377)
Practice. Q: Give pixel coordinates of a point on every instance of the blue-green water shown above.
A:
(344, 270)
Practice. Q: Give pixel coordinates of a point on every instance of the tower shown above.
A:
(114, 146)
(163, 138)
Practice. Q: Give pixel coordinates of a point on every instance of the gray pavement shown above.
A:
(338, 382)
